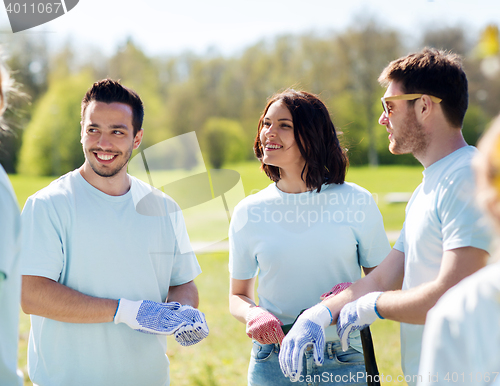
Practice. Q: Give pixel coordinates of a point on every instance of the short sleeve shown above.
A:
(463, 224)
(400, 242)
(242, 261)
(373, 245)
(42, 234)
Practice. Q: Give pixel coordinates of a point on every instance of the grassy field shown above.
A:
(222, 359)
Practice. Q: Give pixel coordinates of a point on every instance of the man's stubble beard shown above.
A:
(411, 137)
(107, 173)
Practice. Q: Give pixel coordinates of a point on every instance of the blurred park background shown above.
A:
(219, 93)
(220, 96)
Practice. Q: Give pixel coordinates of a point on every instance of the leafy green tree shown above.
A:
(484, 91)
(26, 55)
(475, 122)
(51, 142)
(363, 51)
(223, 141)
(183, 93)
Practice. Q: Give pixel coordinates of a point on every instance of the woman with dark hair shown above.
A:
(305, 232)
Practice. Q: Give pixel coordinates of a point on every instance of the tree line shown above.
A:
(221, 98)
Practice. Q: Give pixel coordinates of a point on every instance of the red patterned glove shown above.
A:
(336, 290)
(263, 326)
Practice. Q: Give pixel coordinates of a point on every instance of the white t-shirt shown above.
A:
(10, 293)
(441, 215)
(103, 246)
(301, 245)
(461, 342)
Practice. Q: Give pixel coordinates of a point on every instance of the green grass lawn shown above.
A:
(222, 359)
(25, 186)
(388, 179)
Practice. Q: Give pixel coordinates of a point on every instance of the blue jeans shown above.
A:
(339, 368)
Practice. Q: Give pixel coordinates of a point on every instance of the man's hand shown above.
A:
(194, 332)
(263, 326)
(309, 329)
(356, 316)
(151, 317)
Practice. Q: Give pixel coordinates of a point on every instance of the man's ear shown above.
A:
(425, 106)
(138, 138)
(81, 131)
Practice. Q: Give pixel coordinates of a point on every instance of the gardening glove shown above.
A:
(309, 329)
(336, 290)
(263, 326)
(194, 332)
(356, 316)
(151, 317)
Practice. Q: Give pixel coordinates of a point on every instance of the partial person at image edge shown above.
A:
(461, 342)
(10, 276)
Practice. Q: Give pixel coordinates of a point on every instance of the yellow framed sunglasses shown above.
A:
(404, 97)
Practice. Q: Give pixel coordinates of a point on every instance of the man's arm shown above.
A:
(411, 306)
(186, 294)
(45, 297)
(388, 275)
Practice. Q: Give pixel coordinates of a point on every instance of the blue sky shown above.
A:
(171, 26)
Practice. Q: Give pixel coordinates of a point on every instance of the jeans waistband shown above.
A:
(330, 348)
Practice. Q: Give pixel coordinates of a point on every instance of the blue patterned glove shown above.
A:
(309, 329)
(194, 332)
(151, 317)
(357, 315)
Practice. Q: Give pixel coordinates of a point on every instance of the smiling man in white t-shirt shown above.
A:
(91, 258)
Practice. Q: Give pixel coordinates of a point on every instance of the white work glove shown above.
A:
(151, 317)
(309, 329)
(194, 332)
(357, 315)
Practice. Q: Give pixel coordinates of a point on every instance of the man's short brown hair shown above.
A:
(109, 91)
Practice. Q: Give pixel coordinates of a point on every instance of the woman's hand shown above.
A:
(263, 326)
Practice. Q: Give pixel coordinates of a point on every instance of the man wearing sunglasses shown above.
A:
(443, 239)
